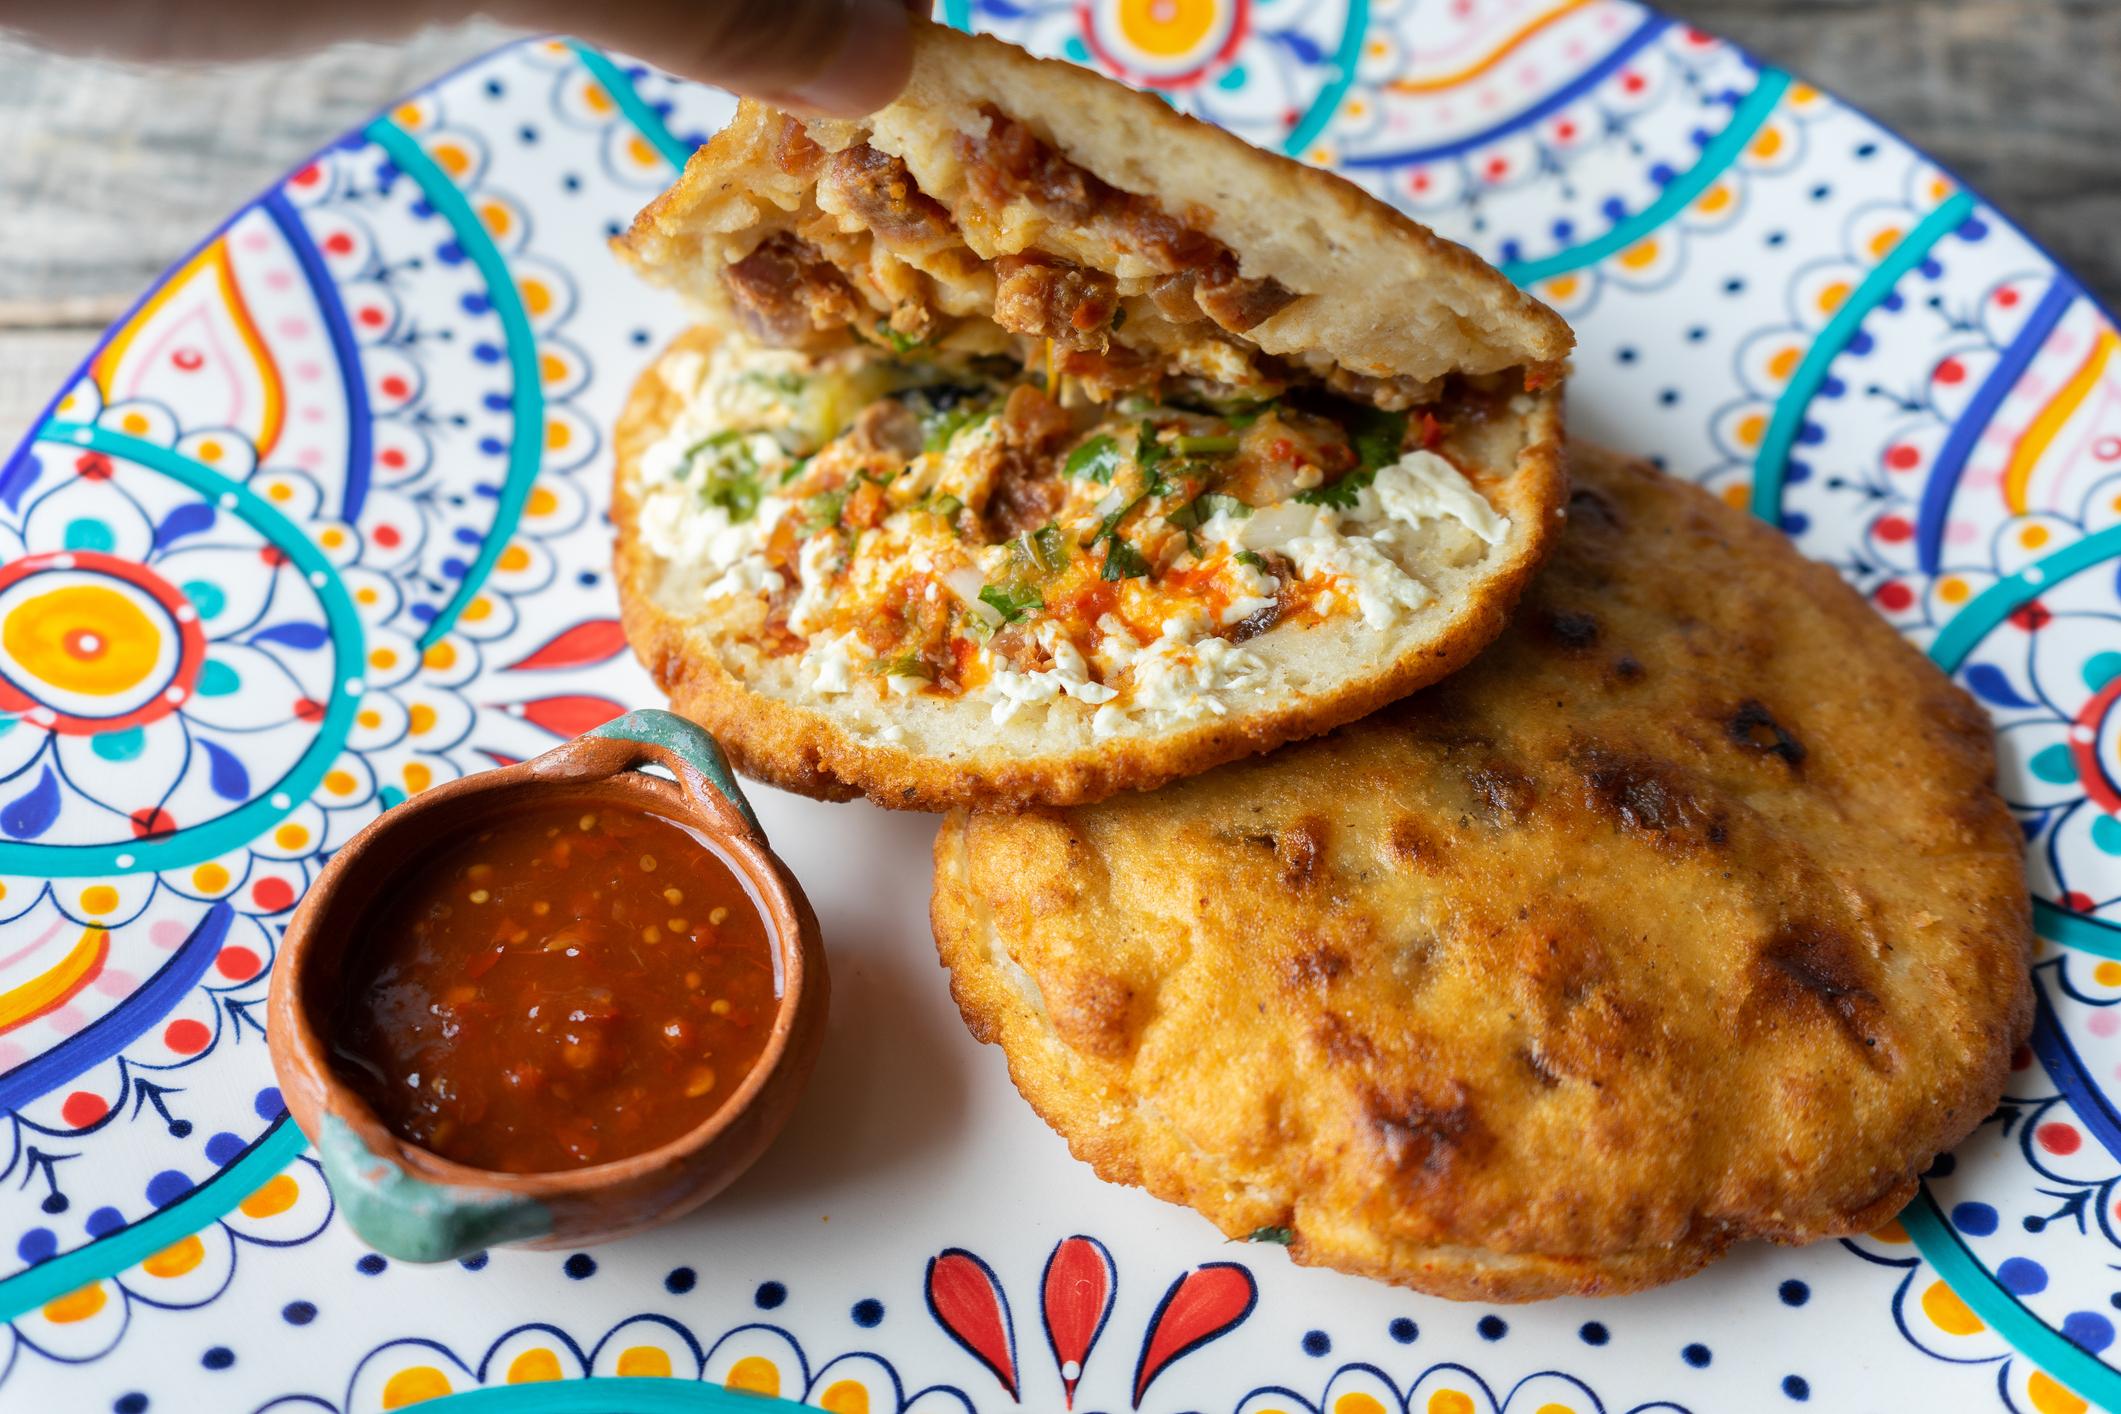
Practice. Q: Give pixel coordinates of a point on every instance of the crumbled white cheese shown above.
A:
(1013, 691)
(1222, 531)
(1069, 675)
(1116, 648)
(678, 526)
(1177, 681)
(734, 387)
(1252, 580)
(749, 575)
(1381, 589)
(831, 660)
(1239, 610)
(1423, 486)
(1070, 669)
(815, 564)
(743, 386)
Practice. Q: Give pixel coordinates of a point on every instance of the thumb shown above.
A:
(840, 57)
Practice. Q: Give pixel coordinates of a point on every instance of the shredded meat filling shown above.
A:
(1010, 162)
(1238, 304)
(1028, 490)
(876, 187)
(785, 291)
(1049, 300)
(793, 150)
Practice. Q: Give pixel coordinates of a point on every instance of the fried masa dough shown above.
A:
(1004, 204)
(1687, 914)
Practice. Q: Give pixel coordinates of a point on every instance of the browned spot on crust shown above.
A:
(1754, 727)
(1508, 794)
(1809, 965)
(1313, 967)
(1341, 1042)
(1413, 842)
(1299, 848)
(1628, 668)
(1423, 1136)
(1093, 1012)
(1570, 629)
(1536, 1062)
(1649, 797)
(1590, 509)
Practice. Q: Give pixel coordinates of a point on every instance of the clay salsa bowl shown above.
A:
(411, 1203)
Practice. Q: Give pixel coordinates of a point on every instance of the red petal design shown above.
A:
(570, 714)
(585, 643)
(1078, 1290)
(967, 1301)
(1207, 1302)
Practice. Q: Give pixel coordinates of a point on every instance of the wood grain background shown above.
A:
(107, 174)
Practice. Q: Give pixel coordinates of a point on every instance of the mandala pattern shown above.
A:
(321, 525)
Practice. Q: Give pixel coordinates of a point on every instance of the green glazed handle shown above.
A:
(411, 1219)
(668, 740)
(690, 753)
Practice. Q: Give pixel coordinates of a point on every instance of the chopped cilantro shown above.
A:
(788, 384)
(1279, 1236)
(1013, 601)
(946, 505)
(1205, 446)
(736, 491)
(729, 474)
(1247, 557)
(940, 427)
(906, 665)
(822, 511)
(1110, 524)
(1122, 561)
(1341, 494)
(1097, 459)
(899, 342)
(795, 468)
(1148, 452)
(1377, 436)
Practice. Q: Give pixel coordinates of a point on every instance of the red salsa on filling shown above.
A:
(569, 985)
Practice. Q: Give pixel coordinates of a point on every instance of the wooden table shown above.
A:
(108, 174)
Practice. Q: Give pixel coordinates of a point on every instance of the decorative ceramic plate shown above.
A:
(321, 524)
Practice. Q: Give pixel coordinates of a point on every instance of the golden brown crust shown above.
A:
(1685, 915)
(811, 747)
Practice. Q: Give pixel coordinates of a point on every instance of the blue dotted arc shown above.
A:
(527, 395)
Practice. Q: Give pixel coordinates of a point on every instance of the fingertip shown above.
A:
(868, 68)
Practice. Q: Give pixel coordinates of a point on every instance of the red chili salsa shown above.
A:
(570, 985)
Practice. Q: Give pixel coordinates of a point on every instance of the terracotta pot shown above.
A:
(413, 1204)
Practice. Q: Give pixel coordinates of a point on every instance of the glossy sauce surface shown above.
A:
(568, 985)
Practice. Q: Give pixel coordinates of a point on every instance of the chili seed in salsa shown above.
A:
(569, 985)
